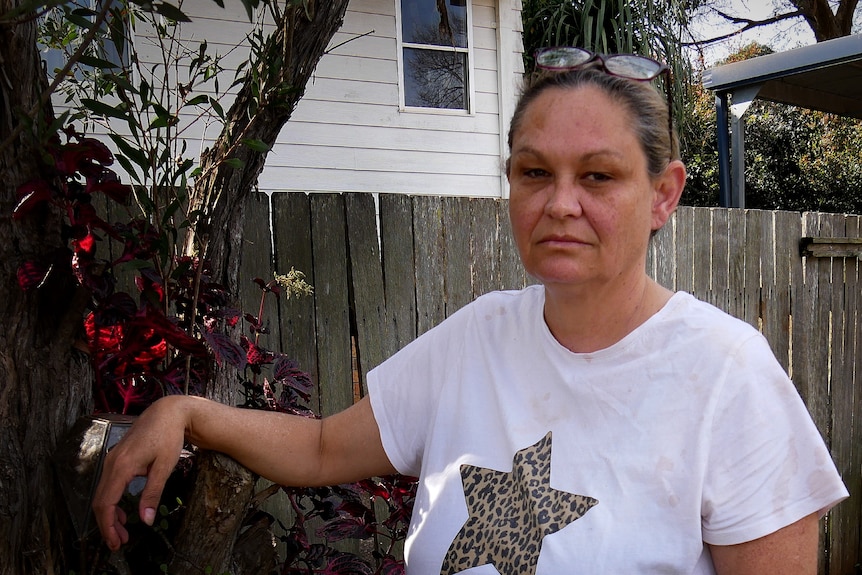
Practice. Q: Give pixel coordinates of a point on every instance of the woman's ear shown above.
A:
(667, 191)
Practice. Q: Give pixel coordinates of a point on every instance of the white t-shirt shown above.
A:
(534, 459)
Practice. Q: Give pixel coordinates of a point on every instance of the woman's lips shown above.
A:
(562, 240)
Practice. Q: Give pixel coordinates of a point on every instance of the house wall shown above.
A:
(348, 133)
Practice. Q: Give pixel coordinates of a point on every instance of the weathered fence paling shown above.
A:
(386, 271)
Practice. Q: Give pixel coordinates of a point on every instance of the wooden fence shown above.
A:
(384, 273)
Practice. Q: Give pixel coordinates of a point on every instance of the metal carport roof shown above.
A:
(826, 76)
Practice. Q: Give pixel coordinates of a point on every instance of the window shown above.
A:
(435, 54)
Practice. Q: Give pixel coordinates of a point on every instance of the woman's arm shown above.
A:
(286, 449)
(792, 549)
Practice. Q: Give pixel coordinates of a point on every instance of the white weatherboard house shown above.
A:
(413, 96)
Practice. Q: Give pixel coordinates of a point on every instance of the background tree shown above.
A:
(828, 20)
(795, 159)
(651, 29)
(45, 379)
(606, 26)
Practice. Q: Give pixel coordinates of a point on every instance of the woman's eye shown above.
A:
(535, 173)
(598, 177)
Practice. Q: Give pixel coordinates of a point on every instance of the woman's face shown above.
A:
(582, 203)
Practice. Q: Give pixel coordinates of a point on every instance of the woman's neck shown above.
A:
(585, 320)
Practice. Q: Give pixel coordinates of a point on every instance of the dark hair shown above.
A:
(646, 105)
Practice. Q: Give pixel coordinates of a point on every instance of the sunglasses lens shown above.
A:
(564, 58)
(633, 67)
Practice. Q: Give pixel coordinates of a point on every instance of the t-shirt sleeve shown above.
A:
(768, 465)
(405, 389)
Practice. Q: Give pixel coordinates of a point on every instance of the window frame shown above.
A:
(470, 88)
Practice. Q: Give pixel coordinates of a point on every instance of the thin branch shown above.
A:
(748, 25)
(339, 45)
(46, 95)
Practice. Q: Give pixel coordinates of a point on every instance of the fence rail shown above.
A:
(386, 272)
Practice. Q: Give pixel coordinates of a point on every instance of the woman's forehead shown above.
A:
(568, 111)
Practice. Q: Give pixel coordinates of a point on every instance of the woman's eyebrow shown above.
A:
(530, 150)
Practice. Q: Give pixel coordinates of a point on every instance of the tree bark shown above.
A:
(44, 383)
(221, 489)
(825, 24)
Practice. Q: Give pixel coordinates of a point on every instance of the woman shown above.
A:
(597, 423)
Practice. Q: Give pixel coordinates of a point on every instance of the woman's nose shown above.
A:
(564, 199)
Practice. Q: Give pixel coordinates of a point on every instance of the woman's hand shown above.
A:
(286, 449)
(151, 449)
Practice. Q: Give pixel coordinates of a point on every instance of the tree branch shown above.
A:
(747, 24)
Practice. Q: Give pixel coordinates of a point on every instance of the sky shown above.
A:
(780, 37)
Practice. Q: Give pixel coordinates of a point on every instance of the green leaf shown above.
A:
(257, 145)
(79, 20)
(144, 200)
(171, 12)
(198, 100)
(217, 108)
(160, 110)
(122, 82)
(129, 167)
(235, 163)
(136, 155)
(145, 91)
(100, 63)
(163, 122)
(102, 109)
(250, 5)
(170, 211)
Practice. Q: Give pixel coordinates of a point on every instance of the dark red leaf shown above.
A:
(86, 244)
(259, 356)
(346, 564)
(118, 308)
(137, 393)
(87, 156)
(31, 274)
(103, 338)
(226, 350)
(253, 322)
(345, 527)
(174, 334)
(111, 187)
(390, 566)
(287, 371)
(30, 195)
(87, 217)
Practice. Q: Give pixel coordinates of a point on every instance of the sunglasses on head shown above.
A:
(628, 66)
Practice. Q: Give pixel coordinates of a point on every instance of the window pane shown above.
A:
(435, 79)
(440, 22)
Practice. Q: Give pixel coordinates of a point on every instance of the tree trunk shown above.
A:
(222, 492)
(825, 24)
(44, 384)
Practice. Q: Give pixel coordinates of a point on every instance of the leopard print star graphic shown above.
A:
(511, 513)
